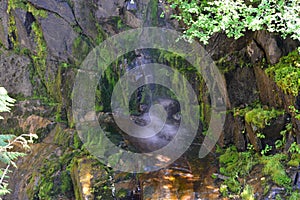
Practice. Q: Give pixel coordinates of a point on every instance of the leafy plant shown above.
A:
(294, 148)
(266, 149)
(234, 17)
(7, 143)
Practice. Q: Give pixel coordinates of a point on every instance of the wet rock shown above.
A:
(66, 90)
(39, 175)
(33, 123)
(220, 45)
(274, 192)
(271, 132)
(108, 8)
(270, 44)
(255, 53)
(89, 178)
(4, 23)
(61, 8)
(254, 140)
(15, 72)
(59, 36)
(241, 86)
(132, 21)
(85, 16)
(269, 93)
(239, 133)
(23, 18)
(81, 176)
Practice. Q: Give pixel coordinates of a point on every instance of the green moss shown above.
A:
(295, 160)
(286, 73)
(153, 12)
(234, 164)
(295, 195)
(81, 48)
(66, 182)
(261, 117)
(274, 168)
(77, 141)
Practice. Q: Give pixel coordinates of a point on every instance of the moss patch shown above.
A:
(286, 73)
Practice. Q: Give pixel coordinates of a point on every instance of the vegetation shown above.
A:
(258, 116)
(274, 168)
(7, 142)
(286, 73)
(261, 117)
(236, 166)
(204, 18)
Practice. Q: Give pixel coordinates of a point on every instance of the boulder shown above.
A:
(269, 92)
(15, 72)
(241, 86)
(59, 36)
(270, 44)
(61, 8)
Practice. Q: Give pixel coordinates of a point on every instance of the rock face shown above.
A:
(43, 42)
(59, 36)
(61, 8)
(15, 72)
(241, 86)
(3, 23)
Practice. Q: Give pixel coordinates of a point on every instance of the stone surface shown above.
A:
(241, 86)
(15, 73)
(132, 21)
(255, 53)
(85, 16)
(108, 8)
(220, 45)
(89, 178)
(59, 36)
(269, 93)
(3, 23)
(33, 123)
(23, 33)
(270, 44)
(59, 7)
(271, 132)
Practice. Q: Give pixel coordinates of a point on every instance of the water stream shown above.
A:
(187, 178)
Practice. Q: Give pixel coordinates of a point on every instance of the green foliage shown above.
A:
(294, 148)
(280, 143)
(261, 117)
(235, 164)
(295, 195)
(204, 18)
(247, 193)
(286, 73)
(7, 143)
(295, 160)
(295, 112)
(266, 149)
(5, 101)
(274, 168)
